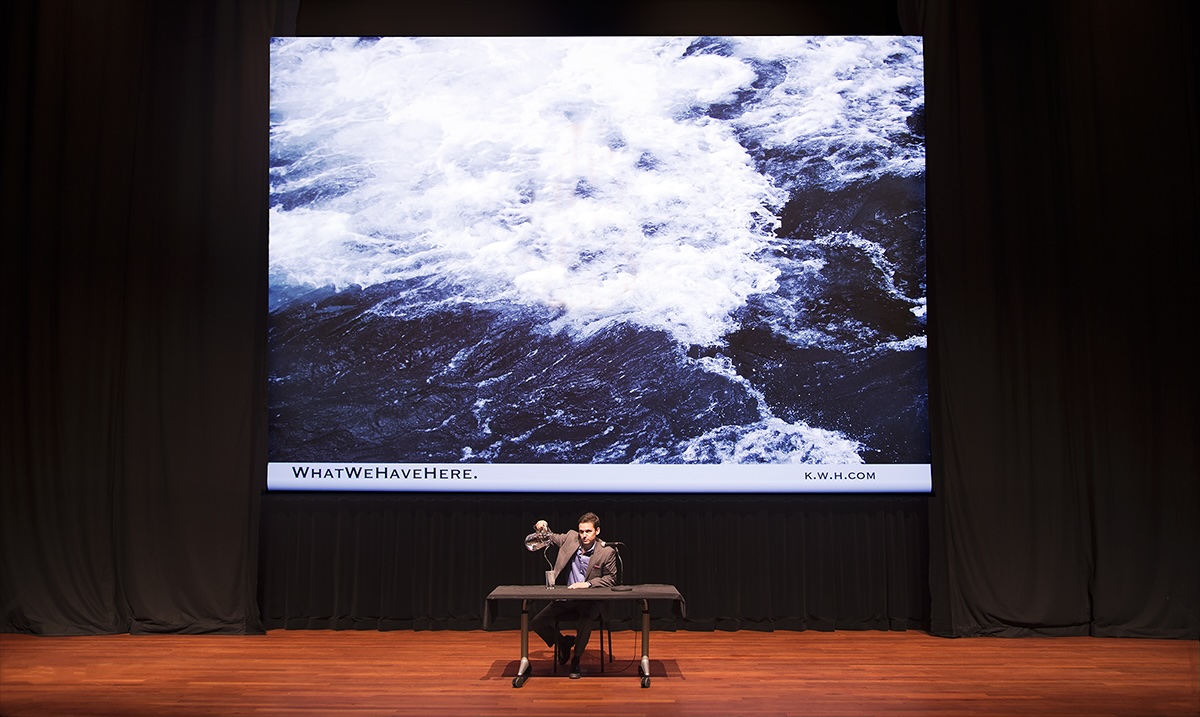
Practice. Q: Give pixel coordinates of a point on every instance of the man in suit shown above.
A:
(590, 564)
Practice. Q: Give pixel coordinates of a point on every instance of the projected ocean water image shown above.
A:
(598, 250)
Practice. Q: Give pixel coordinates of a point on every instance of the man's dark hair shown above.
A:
(590, 518)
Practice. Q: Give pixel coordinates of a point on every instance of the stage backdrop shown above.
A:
(628, 264)
(1062, 146)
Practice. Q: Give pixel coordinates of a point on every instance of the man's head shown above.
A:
(589, 529)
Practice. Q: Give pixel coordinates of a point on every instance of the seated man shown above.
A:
(590, 564)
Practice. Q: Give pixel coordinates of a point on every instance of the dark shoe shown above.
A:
(563, 649)
(575, 673)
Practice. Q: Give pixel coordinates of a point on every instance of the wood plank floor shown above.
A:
(320, 672)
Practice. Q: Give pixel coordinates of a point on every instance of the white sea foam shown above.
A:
(909, 344)
(843, 102)
(769, 440)
(773, 440)
(510, 167)
(566, 173)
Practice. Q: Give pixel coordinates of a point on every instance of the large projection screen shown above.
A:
(598, 264)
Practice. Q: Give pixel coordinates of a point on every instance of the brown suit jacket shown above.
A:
(602, 568)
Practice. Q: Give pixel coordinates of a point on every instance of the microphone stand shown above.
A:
(619, 587)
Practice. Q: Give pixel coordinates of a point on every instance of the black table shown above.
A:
(532, 593)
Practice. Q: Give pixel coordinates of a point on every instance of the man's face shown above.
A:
(587, 535)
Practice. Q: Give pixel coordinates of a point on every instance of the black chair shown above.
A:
(602, 627)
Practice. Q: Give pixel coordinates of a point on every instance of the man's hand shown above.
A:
(573, 586)
(541, 526)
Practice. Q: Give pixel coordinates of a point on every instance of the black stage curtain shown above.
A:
(1063, 160)
(1062, 189)
(134, 172)
(426, 562)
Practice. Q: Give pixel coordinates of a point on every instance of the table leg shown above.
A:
(644, 669)
(523, 670)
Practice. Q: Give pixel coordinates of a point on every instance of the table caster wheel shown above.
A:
(645, 680)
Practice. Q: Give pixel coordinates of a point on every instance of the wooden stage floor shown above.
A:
(456, 673)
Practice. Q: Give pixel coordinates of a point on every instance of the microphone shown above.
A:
(621, 568)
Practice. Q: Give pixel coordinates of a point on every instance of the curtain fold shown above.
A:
(1062, 240)
(134, 167)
